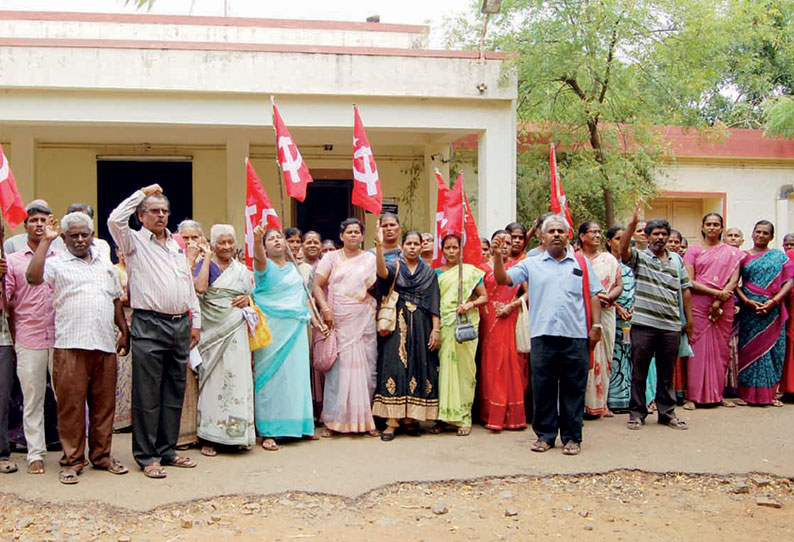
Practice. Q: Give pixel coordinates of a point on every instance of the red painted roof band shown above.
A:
(688, 143)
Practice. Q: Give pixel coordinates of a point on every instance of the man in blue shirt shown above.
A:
(560, 339)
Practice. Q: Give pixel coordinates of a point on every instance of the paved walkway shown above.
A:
(719, 441)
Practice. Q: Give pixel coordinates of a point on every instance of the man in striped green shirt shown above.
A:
(662, 291)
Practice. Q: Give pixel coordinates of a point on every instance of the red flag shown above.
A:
(366, 183)
(441, 220)
(10, 202)
(559, 203)
(470, 237)
(257, 209)
(296, 173)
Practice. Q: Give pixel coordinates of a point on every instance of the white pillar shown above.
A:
(496, 163)
(236, 152)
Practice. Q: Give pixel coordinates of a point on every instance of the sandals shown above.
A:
(373, 433)
(7, 466)
(326, 433)
(777, 403)
(155, 470)
(635, 424)
(437, 429)
(36, 467)
(68, 477)
(728, 404)
(464, 431)
(571, 448)
(675, 423)
(114, 467)
(739, 402)
(541, 446)
(388, 436)
(689, 405)
(270, 445)
(208, 451)
(180, 461)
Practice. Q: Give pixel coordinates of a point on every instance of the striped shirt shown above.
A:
(656, 302)
(82, 294)
(159, 276)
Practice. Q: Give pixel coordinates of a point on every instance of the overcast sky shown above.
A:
(391, 11)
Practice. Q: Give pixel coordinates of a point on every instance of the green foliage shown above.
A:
(140, 3)
(600, 78)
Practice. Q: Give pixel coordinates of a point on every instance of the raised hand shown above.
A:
(259, 234)
(496, 244)
(152, 189)
(378, 234)
(637, 211)
(51, 230)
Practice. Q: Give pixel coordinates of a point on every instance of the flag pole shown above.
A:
(290, 256)
(3, 286)
(462, 232)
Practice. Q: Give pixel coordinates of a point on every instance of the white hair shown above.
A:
(77, 218)
(555, 219)
(221, 229)
(187, 223)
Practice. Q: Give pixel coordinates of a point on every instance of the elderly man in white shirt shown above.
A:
(87, 301)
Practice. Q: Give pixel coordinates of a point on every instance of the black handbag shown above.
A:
(465, 331)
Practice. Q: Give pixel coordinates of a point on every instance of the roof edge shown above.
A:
(200, 20)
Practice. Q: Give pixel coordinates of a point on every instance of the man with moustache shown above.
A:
(87, 302)
(560, 338)
(166, 324)
(662, 286)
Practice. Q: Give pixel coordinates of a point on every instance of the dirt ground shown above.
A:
(621, 505)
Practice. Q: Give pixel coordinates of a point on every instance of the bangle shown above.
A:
(435, 331)
(326, 309)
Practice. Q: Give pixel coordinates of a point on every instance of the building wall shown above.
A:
(65, 175)
(751, 191)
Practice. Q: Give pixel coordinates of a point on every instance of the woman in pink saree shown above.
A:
(714, 269)
(347, 274)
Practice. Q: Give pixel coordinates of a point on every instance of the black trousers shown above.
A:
(559, 377)
(7, 373)
(160, 350)
(647, 343)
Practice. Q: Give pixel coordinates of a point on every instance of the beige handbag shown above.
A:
(523, 341)
(387, 314)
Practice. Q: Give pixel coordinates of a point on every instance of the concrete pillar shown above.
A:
(496, 163)
(236, 152)
(22, 159)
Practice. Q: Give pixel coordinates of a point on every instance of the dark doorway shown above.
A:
(327, 204)
(117, 180)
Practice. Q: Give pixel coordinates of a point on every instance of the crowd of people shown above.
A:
(184, 345)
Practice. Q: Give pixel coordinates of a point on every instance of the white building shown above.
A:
(93, 106)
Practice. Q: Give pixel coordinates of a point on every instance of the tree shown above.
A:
(756, 89)
(599, 78)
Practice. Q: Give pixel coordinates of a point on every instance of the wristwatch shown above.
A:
(597, 326)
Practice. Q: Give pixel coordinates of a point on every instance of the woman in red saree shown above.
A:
(503, 378)
(714, 269)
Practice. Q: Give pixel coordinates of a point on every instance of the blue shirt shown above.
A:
(556, 304)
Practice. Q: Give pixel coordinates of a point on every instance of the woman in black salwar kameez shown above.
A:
(407, 378)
